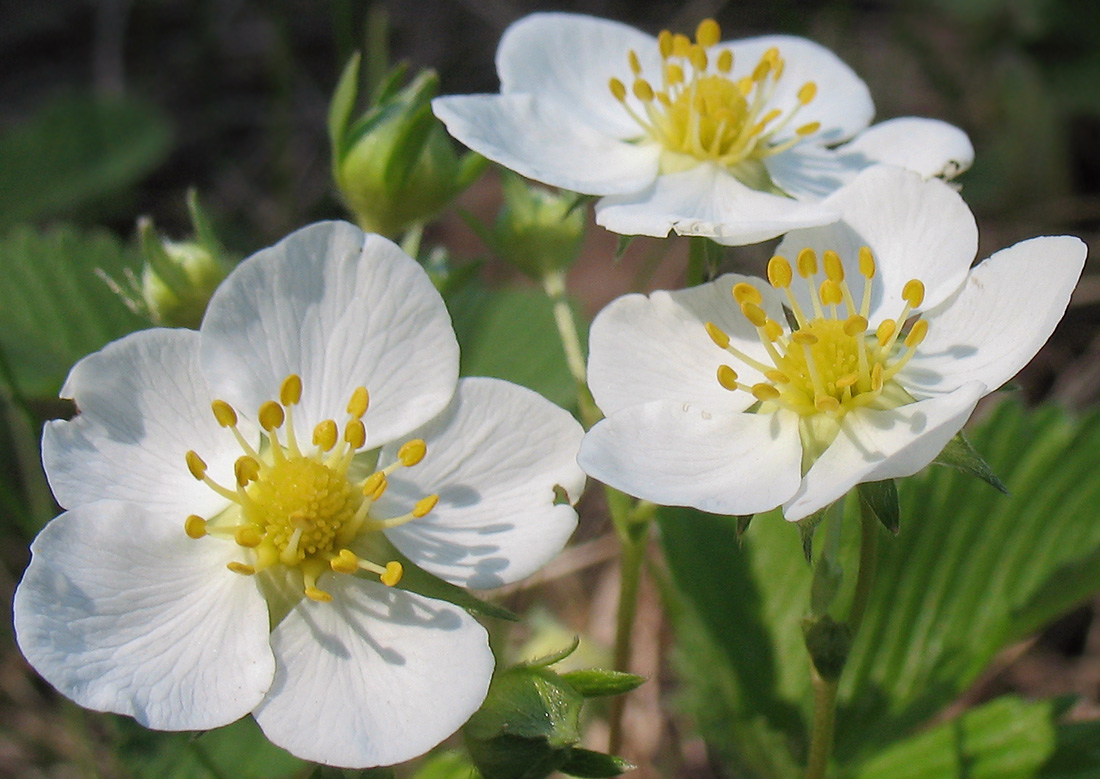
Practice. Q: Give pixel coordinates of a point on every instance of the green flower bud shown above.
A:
(538, 231)
(395, 166)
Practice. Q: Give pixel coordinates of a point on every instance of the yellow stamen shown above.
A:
(424, 505)
(290, 393)
(718, 335)
(355, 433)
(195, 526)
(241, 568)
(247, 536)
(360, 401)
(412, 452)
(394, 572)
(708, 33)
(196, 465)
(271, 416)
(807, 92)
(325, 435)
(224, 413)
(727, 377)
(747, 293)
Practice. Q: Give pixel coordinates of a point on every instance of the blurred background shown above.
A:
(112, 109)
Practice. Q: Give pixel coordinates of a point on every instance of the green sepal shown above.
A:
(622, 245)
(828, 643)
(553, 657)
(597, 682)
(406, 152)
(470, 167)
(961, 456)
(152, 248)
(743, 525)
(807, 526)
(204, 228)
(594, 765)
(881, 499)
(339, 110)
(581, 200)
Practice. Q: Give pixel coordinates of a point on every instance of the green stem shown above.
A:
(554, 286)
(24, 430)
(868, 560)
(410, 242)
(631, 559)
(821, 742)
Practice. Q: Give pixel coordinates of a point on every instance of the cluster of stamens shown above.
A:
(830, 363)
(702, 111)
(298, 506)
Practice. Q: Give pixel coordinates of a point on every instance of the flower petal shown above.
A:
(917, 229)
(1004, 313)
(376, 677)
(843, 104)
(675, 454)
(342, 310)
(809, 172)
(143, 403)
(540, 139)
(657, 348)
(570, 59)
(926, 146)
(123, 613)
(494, 458)
(710, 202)
(874, 445)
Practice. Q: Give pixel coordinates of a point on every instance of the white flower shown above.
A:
(714, 402)
(205, 569)
(728, 140)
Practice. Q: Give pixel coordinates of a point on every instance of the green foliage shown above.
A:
(970, 572)
(239, 750)
(510, 334)
(56, 309)
(77, 150)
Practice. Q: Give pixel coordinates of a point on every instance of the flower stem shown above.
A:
(821, 742)
(631, 558)
(554, 286)
(868, 560)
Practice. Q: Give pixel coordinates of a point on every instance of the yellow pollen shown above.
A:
(246, 469)
(834, 270)
(290, 393)
(393, 574)
(855, 325)
(643, 91)
(779, 272)
(830, 293)
(698, 58)
(885, 332)
(424, 505)
(635, 65)
(248, 536)
(866, 262)
(717, 334)
(355, 433)
(618, 89)
(196, 465)
(725, 61)
(271, 416)
(325, 435)
(808, 129)
(779, 377)
(708, 33)
(664, 44)
(241, 568)
(773, 330)
(747, 293)
(224, 413)
(412, 452)
(762, 68)
(195, 526)
(804, 338)
(764, 392)
(727, 377)
(375, 482)
(681, 45)
(345, 562)
(807, 92)
(754, 314)
(360, 401)
(807, 263)
(913, 293)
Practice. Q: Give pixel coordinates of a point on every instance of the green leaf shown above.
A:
(56, 308)
(447, 765)
(597, 682)
(77, 150)
(881, 499)
(239, 750)
(961, 456)
(511, 334)
(597, 765)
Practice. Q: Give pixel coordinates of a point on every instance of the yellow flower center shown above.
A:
(828, 364)
(699, 113)
(302, 507)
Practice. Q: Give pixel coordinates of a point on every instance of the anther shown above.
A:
(847, 381)
(664, 44)
(885, 332)
(747, 293)
(913, 293)
(725, 61)
(803, 338)
(827, 404)
(807, 263)
(717, 334)
(290, 393)
(855, 325)
(346, 562)
(618, 89)
(708, 33)
(325, 435)
(830, 293)
(375, 485)
(271, 416)
(246, 469)
(760, 72)
(866, 262)
(241, 568)
(224, 413)
(642, 90)
(318, 595)
(355, 433)
(635, 65)
(773, 330)
(424, 505)
(698, 58)
(754, 314)
(195, 526)
(674, 74)
(917, 334)
(808, 129)
(195, 464)
(393, 574)
(412, 452)
(779, 377)
(727, 377)
(764, 392)
(779, 272)
(681, 45)
(834, 269)
(247, 536)
(360, 401)
(807, 92)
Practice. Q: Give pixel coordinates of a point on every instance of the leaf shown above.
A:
(596, 765)
(56, 309)
(239, 750)
(77, 150)
(510, 334)
(447, 765)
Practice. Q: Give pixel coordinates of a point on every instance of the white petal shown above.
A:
(1004, 313)
(809, 172)
(143, 403)
(843, 104)
(494, 458)
(917, 229)
(677, 455)
(124, 613)
(342, 310)
(927, 146)
(570, 59)
(376, 677)
(544, 140)
(707, 201)
(657, 348)
(874, 445)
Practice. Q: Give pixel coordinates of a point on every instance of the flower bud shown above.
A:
(537, 230)
(395, 165)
